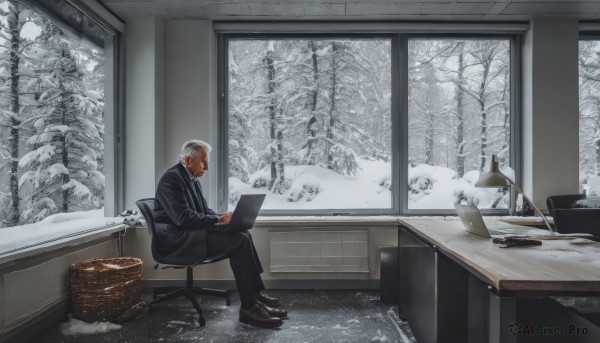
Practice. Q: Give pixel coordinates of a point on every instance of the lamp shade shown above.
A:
(492, 178)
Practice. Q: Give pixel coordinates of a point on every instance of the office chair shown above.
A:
(146, 206)
(569, 218)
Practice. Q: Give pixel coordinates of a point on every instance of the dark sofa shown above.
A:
(575, 213)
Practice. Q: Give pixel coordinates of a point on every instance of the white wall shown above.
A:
(550, 109)
(144, 105)
(170, 98)
(382, 234)
(190, 107)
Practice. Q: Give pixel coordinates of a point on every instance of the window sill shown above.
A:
(18, 253)
(264, 221)
(324, 221)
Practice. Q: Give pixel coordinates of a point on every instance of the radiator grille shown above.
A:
(319, 251)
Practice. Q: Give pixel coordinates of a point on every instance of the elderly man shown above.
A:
(195, 233)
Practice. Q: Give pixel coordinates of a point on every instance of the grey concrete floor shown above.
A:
(314, 316)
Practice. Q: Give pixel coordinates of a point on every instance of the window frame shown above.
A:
(515, 122)
(399, 111)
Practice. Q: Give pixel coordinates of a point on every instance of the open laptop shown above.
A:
(245, 213)
(473, 221)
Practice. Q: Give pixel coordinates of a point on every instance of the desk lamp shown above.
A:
(494, 178)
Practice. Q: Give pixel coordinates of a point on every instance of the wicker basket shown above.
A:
(104, 288)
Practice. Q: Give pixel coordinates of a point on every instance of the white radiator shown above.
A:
(319, 251)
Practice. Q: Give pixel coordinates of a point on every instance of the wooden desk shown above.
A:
(481, 289)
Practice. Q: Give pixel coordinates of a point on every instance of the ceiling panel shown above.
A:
(382, 8)
(472, 8)
(583, 8)
(434, 8)
(190, 10)
(295, 10)
(354, 9)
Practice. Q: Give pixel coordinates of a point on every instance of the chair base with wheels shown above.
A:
(162, 294)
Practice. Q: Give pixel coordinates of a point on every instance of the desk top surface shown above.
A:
(556, 265)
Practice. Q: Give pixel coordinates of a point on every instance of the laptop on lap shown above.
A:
(245, 213)
(473, 221)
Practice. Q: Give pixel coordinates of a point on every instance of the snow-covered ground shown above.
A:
(311, 187)
(334, 190)
(436, 187)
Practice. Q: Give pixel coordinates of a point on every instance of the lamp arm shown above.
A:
(535, 208)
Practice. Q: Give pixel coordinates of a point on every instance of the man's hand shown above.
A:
(224, 218)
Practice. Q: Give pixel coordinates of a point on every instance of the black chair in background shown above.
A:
(146, 206)
(571, 216)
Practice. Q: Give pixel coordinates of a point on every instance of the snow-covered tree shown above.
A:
(51, 118)
(63, 170)
(241, 154)
(459, 93)
(423, 93)
(589, 108)
(17, 62)
(484, 54)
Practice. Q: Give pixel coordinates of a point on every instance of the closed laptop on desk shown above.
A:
(473, 221)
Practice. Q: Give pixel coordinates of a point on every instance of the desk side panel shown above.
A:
(416, 286)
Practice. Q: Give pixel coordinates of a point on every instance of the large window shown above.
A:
(310, 122)
(383, 124)
(589, 116)
(53, 114)
(458, 117)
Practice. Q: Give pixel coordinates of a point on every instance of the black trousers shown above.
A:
(243, 259)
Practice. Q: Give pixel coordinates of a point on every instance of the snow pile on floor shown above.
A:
(380, 337)
(75, 327)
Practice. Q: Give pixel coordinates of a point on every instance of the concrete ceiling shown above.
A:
(496, 10)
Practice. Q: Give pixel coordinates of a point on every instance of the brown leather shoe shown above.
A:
(274, 312)
(257, 316)
(267, 300)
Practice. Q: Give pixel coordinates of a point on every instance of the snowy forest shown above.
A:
(310, 121)
(51, 122)
(459, 115)
(589, 116)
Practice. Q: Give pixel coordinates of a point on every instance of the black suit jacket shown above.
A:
(181, 219)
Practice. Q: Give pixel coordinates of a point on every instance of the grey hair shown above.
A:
(191, 148)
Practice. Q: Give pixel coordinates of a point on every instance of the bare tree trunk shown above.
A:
(279, 184)
(429, 138)
(13, 27)
(487, 62)
(506, 117)
(460, 129)
(483, 136)
(272, 116)
(429, 117)
(63, 144)
(312, 132)
(276, 132)
(332, 109)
